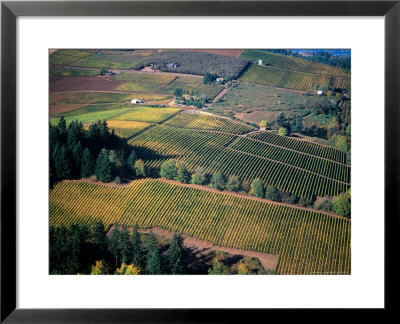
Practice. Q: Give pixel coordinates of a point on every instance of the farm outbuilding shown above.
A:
(320, 92)
(260, 62)
(172, 65)
(136, 101)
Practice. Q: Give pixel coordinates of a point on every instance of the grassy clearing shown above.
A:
(127, 128)
(94, 108)
(101, 97)
(253, 103)
(146, 78)
(125, 62)
(60, 72)
(193, 84)
(147, 114)
(138, 87)
(91, 117)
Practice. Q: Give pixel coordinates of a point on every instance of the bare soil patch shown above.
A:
(61, 108)
(202, 248)
(99, 83)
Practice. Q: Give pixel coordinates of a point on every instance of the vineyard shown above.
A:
(305, 241)
(127, 129)
(273, 77)
(301, 146)
(147, 114)
(293, 63)
(206, 150)
(320, 166)
(208, 122)
(66, 57)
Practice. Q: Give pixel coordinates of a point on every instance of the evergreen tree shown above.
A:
(77, 159)
(62, 130)
(125, 244)
(103, 170)
(73, 248)
(150, 242)
(257, 188)
(62, 162)
(113, 243)
(175, 254)
(87, 164)
(140, 170)
(74, 134)
(182, 173)
(99, 236)
(233, 183)
(136, 251)
(153, 265)
(218, 181)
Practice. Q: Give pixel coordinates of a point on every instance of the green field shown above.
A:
(208, 122)
(253, 103)
(147, 114)
(306, 242)
(101, 97)
(92, 117)
(193, 84)
(273, 77)
(292, 63)
(64, 72)
(208, 150)
(94, 108)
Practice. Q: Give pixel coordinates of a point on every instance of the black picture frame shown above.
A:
(10, 10)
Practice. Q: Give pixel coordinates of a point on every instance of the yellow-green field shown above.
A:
(305, 241)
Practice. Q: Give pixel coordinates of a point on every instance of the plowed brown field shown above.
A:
(105, 83)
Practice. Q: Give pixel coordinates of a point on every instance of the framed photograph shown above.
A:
(179, 140)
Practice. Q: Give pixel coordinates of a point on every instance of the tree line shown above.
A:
(80, 249)
(79, 153)
(176, 170)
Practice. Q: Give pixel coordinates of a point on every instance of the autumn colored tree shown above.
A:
(127, 269)
(139, 167)
(99, 268)
(233, 183)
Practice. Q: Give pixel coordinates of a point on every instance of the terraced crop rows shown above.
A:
(293, 63)
(206, 150)
(127, 128)
(306, 242)
(324, 167)
(301, 146)
(273, 77)
(147, 114)
(208, 122)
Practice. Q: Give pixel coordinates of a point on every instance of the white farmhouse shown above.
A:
(136, 101)
(320, 92)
